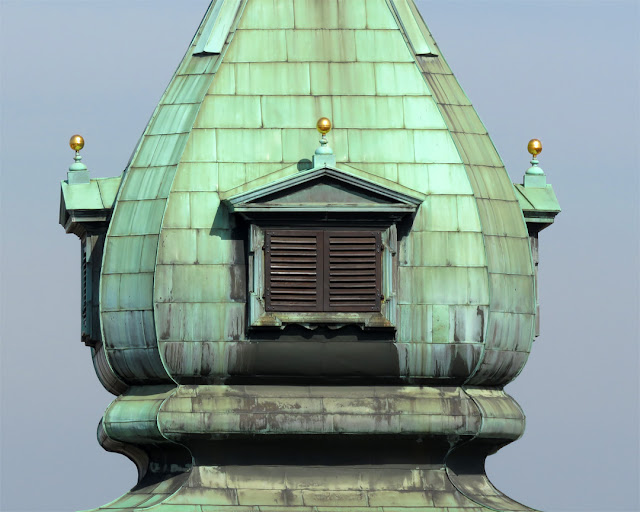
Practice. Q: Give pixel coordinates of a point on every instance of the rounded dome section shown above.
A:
(185, 278)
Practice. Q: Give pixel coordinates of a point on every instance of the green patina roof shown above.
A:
(245, 117)
(86, 202)
(237, 124)
(240, 114)
(539, 204)
(98, 194)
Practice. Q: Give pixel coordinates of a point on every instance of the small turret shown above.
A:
(539, 206)
(536, 197)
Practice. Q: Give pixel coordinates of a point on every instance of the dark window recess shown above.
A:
(84, 296)
(318, 270)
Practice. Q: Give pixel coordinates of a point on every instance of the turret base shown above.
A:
(357, 488)
(315, 449)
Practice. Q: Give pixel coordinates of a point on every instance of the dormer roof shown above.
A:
(324, 190)
(87, 205)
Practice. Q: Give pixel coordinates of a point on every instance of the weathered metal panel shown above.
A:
(368, 146)
(510, 255)
(279, 78)
(542, 199)
(450, 362)
(291, 111)
(490, 183)
(328, 410)
(200, 322)
(200, 147)
(258, 46)
(215, 30)
(204, 208)
(433, 285)
(442, 248)
(384, 173)
(438, 213)
(415, 36)
(421, 112)
(415, 323)
(249, 145)
(137, 217)
(463, 119)
(440, 324)
(200, 283)
(444, 86)
(207, 360)
(342, 78)
(381, 46)
(177, 246)
(499, 367)
(367, 111)
(133, 416)
(230, 112)
(160, 150)
(512, 293)
(399, 79)
(178, 211)
(435, 146)
(141, 365)
(130, 254)
(267, 14)
(329, 14)
(149, 183)
(511, 331)
(105, 374)
(188, 88)
(415, 176)
(135, 291)
(225, 79)
(321, 45)
(82, 196)
(502, 218)
(196, 177)
(172, 119)
(448, 179)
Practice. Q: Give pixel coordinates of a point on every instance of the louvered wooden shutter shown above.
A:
(293, 270)
(318, 270)
(84, 292)
(352, 271)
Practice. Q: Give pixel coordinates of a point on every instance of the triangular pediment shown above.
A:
(321, 190)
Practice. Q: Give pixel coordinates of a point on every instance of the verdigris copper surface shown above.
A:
(226, 402)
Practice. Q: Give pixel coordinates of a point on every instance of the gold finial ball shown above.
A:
(76, 142)
(534, 147)
(323, 125)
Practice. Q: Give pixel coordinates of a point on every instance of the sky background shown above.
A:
(566, 72)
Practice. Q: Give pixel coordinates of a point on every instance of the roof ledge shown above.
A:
(86, 207)
(323, 191)
(539, 206)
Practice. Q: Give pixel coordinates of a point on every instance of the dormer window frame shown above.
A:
(293, 204)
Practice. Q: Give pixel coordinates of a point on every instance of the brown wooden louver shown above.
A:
(319, 270)
(84, 293)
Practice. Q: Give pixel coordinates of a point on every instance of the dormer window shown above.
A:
(323, 249)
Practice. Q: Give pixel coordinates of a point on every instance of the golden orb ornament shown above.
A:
(323, 125)
(76, 142)
(534, 147)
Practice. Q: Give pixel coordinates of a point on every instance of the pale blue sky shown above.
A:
(566, 72)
